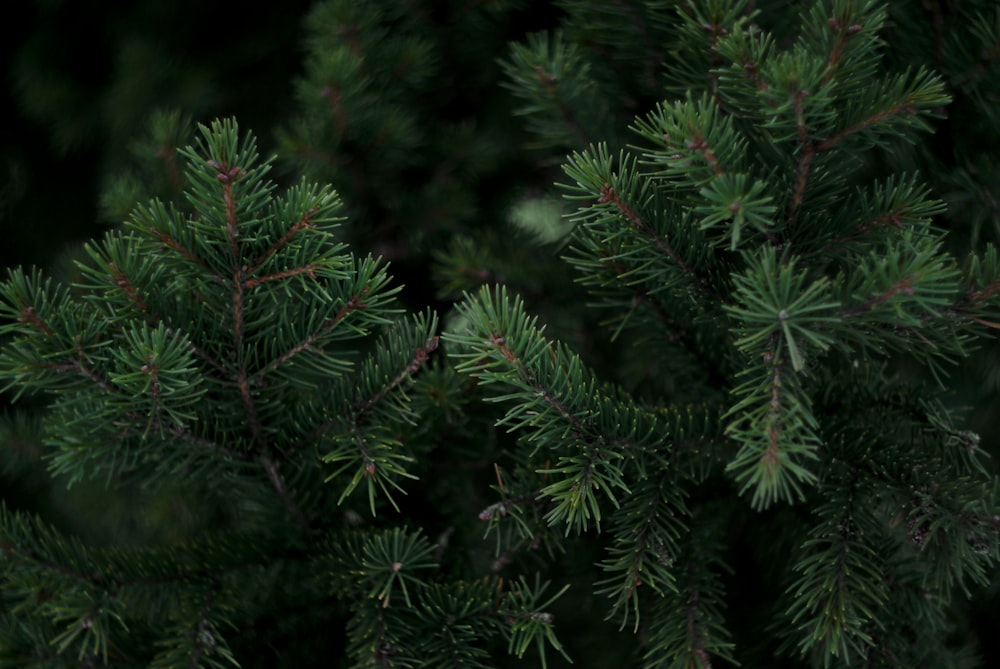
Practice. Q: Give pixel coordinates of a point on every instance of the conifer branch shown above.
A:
(227, 175)
(844, 33)
(79, 364)
(122, 281)
(806, 152)
(608, 194)
(351, 304)
(31, 317)
(420, 357)
(906, 106)
(780, 297)
(169, 242)
(308, 271)
(304, 223)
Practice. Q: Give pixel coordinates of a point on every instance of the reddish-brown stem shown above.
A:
(699, 144)
(353, 304)
(302, 224)
(608, 194)
(500, 342)
(123, 282)
(986, 293)
(171, 243)
(904, 106)
(771, 457)
(31, 317)
(308, 270)
(836, 53)
(904, 285)
(420, 356)
(807, 151)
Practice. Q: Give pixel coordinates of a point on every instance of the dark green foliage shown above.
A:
(398, 106)
(233, 349)
(760, 263)
(722, 394)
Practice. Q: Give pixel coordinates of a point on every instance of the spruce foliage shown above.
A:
(239, 348)
(712, 417)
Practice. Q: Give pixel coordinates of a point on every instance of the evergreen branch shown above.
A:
(421, 356)
(180, 432)
(952, 525)
(615, 195)
(379, 463)
(884, 210)
(555, 391)
(840, 589)
(983, 281)
(646, 530)
(696, 143)
(527, 620)
(907, 106)
(528, 377)
(775, 428)
(352, 304)
(120, 279)
(29, 316)
(899, 102)
(360, 439)
(170, 243)
(458, 617)
(688, 628)
(360, 300)
(900, 294)
(28, 557)
(140, 277)
(194, 640)
(378, 564)
(595, 428)
(523, 504)
(304, 223)
(842, 37)
(902, 285)
(806, 151)
(307, 270)
(608, 194)
(227, 175)
(775, 302)
(80, 365)
(844, 33)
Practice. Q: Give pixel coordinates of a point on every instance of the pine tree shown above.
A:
(236, 352)
(790, 318)
(750, 447)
